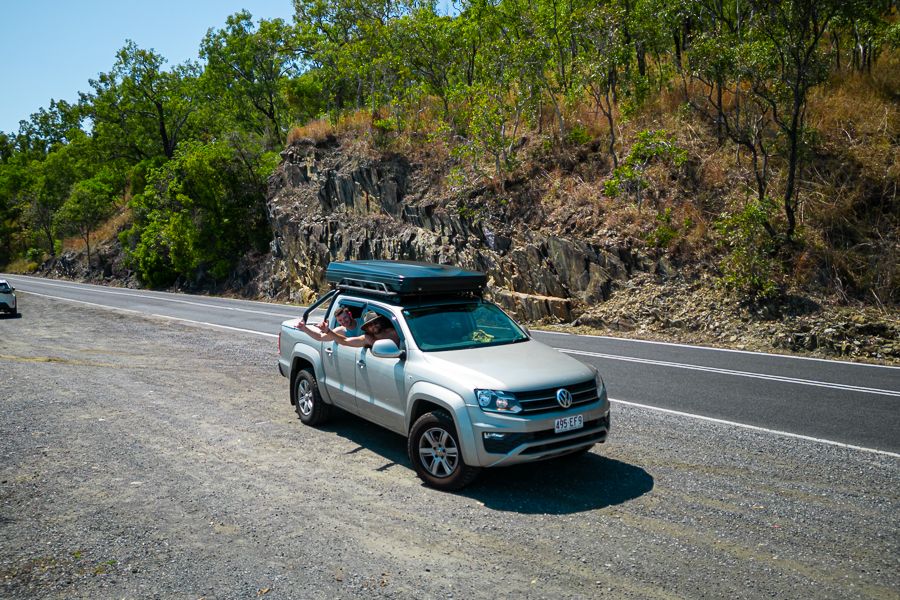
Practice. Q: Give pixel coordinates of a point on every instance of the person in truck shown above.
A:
(375, 327)
(348, 325)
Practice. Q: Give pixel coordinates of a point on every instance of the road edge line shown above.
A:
(757, 428)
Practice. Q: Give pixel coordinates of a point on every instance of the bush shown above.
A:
(665, 233)
(578, 135)
(650, 146)
(198, 214)
(749, 267)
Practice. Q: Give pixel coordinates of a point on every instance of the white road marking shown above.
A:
(779, 378)
(134, 294)
(755, 428)
(714, 349)
(262, 333)
(171, 318)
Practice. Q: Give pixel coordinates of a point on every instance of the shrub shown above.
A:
(749, 267)
(650, 146)
(198, 214)
(665, 233)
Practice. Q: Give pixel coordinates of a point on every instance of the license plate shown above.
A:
(568, 424)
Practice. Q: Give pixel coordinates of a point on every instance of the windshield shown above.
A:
(465, 325)
(4, 288)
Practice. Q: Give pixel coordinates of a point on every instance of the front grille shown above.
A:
(538, 401)
(547, 436)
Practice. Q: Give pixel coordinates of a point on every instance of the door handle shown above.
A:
(329, 351)
(361, 363)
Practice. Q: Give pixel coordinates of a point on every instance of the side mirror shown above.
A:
(387, 349)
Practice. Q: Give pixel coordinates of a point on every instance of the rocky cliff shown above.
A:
(326, 205)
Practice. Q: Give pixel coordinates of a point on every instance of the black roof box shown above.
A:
(404, 278)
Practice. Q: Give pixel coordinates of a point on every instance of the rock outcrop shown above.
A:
(325, 206)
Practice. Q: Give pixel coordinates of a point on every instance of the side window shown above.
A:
(355, 308)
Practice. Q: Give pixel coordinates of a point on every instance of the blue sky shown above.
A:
(49, 49)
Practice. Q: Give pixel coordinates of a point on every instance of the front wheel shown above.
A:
(308, 401)
(436, 454)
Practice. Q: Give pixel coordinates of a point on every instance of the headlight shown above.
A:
(494, 401)
(601, 388)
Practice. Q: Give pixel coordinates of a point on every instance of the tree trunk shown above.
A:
(87, 245)
(612, 130)
(720, 117)
(48, 231)
(641, 58)
(793, 156)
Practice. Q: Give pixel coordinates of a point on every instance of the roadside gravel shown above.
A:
(142, 458)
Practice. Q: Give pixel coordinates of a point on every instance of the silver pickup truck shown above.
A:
(468, 386)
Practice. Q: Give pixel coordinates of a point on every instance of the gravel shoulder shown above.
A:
(142, 458)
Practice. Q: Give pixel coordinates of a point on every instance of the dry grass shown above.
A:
(855, 110)
(108, 231)
(22, 266)
(317, 130)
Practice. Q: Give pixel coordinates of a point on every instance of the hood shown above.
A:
(512, 367)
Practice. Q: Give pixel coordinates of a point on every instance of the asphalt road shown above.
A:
(834, 402)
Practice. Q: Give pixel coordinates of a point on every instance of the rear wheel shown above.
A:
(308, 402)
(435, 452)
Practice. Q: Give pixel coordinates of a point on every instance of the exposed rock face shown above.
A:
(326, 206)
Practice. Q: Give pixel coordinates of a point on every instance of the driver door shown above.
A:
(380, 384)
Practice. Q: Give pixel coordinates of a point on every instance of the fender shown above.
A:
(311, 355)
(453, 404)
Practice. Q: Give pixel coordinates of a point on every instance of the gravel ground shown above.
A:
(142, 458)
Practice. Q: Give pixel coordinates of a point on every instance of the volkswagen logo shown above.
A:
(564, 397)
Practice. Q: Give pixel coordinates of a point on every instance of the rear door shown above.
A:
(340, 362)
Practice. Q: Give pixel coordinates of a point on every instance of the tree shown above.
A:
(425, 41)
(88, 205)
(603, 62)
(198, 214)
(139, 110)
(722, 61)
(252, 66)
(788, 59)
(45, 189)
(338, 37)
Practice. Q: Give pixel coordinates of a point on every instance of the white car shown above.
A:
(7, 298)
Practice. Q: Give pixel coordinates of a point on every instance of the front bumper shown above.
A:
(530, 439)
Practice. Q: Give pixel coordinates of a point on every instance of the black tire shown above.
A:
(436, 454)
(308, 403)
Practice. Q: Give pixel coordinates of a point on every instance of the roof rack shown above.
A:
(361, 285)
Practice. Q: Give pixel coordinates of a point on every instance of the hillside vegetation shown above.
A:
(753, 141)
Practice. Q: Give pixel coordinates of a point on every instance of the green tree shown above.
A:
(603, 62)
(426, 44)
(88, 205)
(788, 60)
(252, 64)
(198, 214)
(138, 109)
